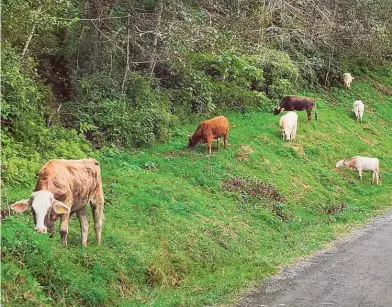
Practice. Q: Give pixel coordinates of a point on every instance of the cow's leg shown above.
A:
(64, 227)
(309, 112)
(209, 144)
(375, 175)
(225, 140)
(294, 132)
(83, 220)
(360, 173)
(217, 143)
(97, 205)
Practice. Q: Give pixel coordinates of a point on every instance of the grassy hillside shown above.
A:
(186, 229)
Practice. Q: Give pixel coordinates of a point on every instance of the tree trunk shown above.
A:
(156, 34)
(31, 33)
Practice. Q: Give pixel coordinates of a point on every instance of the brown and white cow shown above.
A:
(296, 103)
(65, 187)
(209, 130)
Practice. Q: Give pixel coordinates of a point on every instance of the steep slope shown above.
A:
(185, 228)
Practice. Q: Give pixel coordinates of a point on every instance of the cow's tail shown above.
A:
(315, 111)
(235, 126)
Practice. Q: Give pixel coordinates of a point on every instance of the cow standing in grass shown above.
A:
(209, 130)
(296, 103)
(288, 125)
(362, 164)
(358, 109)
(347, 79)
(65, 187)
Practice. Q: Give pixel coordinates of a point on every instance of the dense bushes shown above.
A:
(232, 80)
(138, 117)
(27, 140)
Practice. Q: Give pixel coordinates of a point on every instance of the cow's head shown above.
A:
(192, 142)
(45, 209)
(340, 163)
(277, 110)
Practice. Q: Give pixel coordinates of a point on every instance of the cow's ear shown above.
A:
(60, 208)
(21, 205)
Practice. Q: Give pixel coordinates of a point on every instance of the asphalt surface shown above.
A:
(356, 271)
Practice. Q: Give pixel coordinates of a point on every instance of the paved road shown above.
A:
(356, 272)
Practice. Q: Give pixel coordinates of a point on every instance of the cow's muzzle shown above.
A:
(41, 230)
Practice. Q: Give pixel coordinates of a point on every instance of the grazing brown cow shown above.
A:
(210, 129)
(292, 103)
(64, 187)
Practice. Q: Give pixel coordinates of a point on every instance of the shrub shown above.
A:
(27, 142)
(232, 80)
(227, 80)
(138, 117)
(279, 72)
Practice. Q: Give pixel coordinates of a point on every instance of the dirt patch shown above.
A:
(278, 210)
(245, 150)
(125, 285)
(385, 90)
(368, 141)
(252, 188)
(4, 214)
(158, 277)
(334, 209)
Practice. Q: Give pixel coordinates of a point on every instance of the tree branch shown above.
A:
(31, 34)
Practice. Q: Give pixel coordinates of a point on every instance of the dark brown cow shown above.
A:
(64, 187)
(296, 103)
(210, 129)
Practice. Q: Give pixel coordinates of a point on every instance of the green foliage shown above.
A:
(22, 160)
(23, 98)
(225, 81)
(280, 73)
(228, 66)
(27, 142)
(139, 117)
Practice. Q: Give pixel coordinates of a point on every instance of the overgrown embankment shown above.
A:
(184, 228)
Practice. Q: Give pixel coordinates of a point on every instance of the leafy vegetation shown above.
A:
(185, 228)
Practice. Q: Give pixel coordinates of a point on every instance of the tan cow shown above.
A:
(65, 187)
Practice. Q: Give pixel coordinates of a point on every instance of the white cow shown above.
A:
(362, 164)
(288, 125)
(347, 79)
(358, 109)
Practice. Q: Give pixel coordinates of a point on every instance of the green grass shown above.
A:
(186, 229)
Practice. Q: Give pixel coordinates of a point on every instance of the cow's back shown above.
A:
(73, 182)
(291, 103)
(217, 126)
(289, 120)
